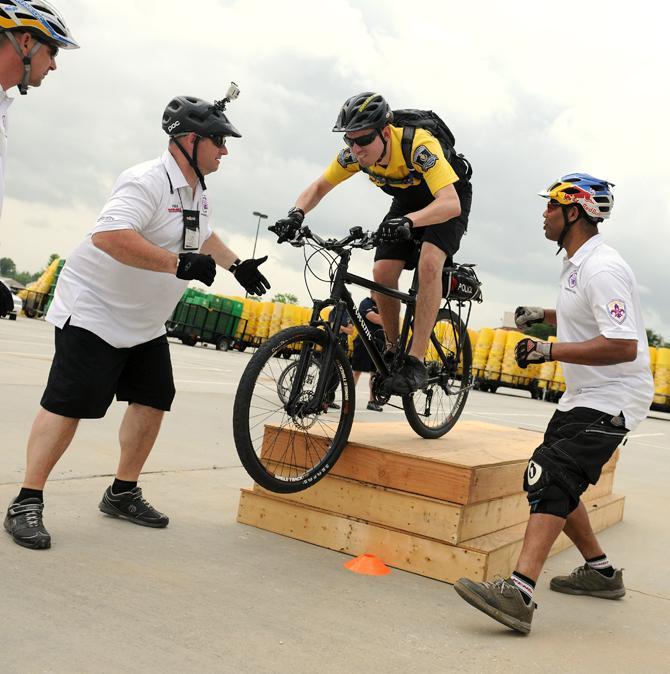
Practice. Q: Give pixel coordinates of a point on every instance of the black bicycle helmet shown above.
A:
(187, 114)
(364, 111)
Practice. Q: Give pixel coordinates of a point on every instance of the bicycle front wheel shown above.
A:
(433, 411)
(287, 439)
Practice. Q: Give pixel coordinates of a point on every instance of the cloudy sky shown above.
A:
(531, 89)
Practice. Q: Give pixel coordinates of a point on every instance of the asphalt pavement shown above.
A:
(209, 595)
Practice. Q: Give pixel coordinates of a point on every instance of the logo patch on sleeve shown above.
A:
(345, 158)
(617, 311)
(424, 158)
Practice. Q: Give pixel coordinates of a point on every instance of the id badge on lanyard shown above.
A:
(191, 229)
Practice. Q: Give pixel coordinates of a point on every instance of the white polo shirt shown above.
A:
(598, 296)
(125, 305)
(5, 102)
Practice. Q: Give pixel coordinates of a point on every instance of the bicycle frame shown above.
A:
(341, 299)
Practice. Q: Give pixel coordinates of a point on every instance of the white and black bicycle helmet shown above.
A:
(41, 19)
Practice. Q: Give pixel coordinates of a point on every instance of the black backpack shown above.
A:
(411, 120)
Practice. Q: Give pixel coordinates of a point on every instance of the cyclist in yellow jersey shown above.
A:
(429, 199)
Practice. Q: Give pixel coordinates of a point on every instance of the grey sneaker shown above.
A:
(24, 523)
(131, 506)
(499, 599)
(585, 580)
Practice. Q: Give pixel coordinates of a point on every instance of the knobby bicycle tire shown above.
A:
(434, 410)
(274, 441)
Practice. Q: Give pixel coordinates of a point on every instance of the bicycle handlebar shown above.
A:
(357, 238)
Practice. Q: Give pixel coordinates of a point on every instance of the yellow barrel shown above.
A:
(275, 319)
(496, 352)
(264, 316)
(481, 350)
(558, 382)
(652, 358)
(662, 377)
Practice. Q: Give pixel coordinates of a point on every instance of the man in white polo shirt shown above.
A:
(31, 33)
(605, 359)
(113, 297)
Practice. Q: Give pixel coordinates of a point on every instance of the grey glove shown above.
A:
(529, 352)
(526, 316)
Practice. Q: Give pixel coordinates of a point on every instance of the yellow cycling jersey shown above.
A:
(428, 162)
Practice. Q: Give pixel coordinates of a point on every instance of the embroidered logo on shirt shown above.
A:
(572, 280)
(424, 158)
(175, 208)
(345, 158)
(617, 311)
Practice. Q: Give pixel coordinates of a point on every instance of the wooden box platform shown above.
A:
(442, 508)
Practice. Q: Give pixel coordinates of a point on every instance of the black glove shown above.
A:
(6, 300)
(196, 266)
(395, 229)
(529, 352)
(286, 228)
(250, 278)
(525, 316)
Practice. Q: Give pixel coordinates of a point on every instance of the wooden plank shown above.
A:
(421, 515)
(479, 559)
(474, 462)
(398, 549)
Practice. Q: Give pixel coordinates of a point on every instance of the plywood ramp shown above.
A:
(442, 508)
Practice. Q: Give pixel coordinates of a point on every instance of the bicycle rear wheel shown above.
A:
(285, 438)
(433, 411)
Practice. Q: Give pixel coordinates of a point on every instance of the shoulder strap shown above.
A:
(406, 145)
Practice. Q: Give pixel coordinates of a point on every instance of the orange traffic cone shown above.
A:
(367, 564)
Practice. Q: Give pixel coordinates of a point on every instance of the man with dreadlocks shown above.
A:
(605, 357)
(114, 294)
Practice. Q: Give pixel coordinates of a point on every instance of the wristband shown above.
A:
(233, 267)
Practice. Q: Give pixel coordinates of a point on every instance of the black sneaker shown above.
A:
(129, 505)
(24, 523)
(374, 406)
(411, 377)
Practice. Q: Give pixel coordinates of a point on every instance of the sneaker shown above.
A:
(333, 406)
(411, 377)
(585, 580)
(24, 523)
(500, 599)
(130, 506)
(374, 406)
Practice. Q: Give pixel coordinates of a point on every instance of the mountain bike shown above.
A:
(295, 401)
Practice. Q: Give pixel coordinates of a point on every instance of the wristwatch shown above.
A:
(233, 267)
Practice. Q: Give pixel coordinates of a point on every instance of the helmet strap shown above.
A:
(26, 58)
(566, 227)
(193, 161)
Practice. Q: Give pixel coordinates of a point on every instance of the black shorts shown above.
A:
(361, 361)
(445, 235)
(576, 446)
(87, 372)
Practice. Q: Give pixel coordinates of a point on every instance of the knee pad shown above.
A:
(548, 489)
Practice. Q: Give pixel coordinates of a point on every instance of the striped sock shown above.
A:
(602, 565)
(525, 585)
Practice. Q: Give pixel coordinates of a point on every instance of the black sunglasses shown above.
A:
(218, 140)
(361, 141)
(53, 49)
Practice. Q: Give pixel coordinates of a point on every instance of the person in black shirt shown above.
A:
(361, 361)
